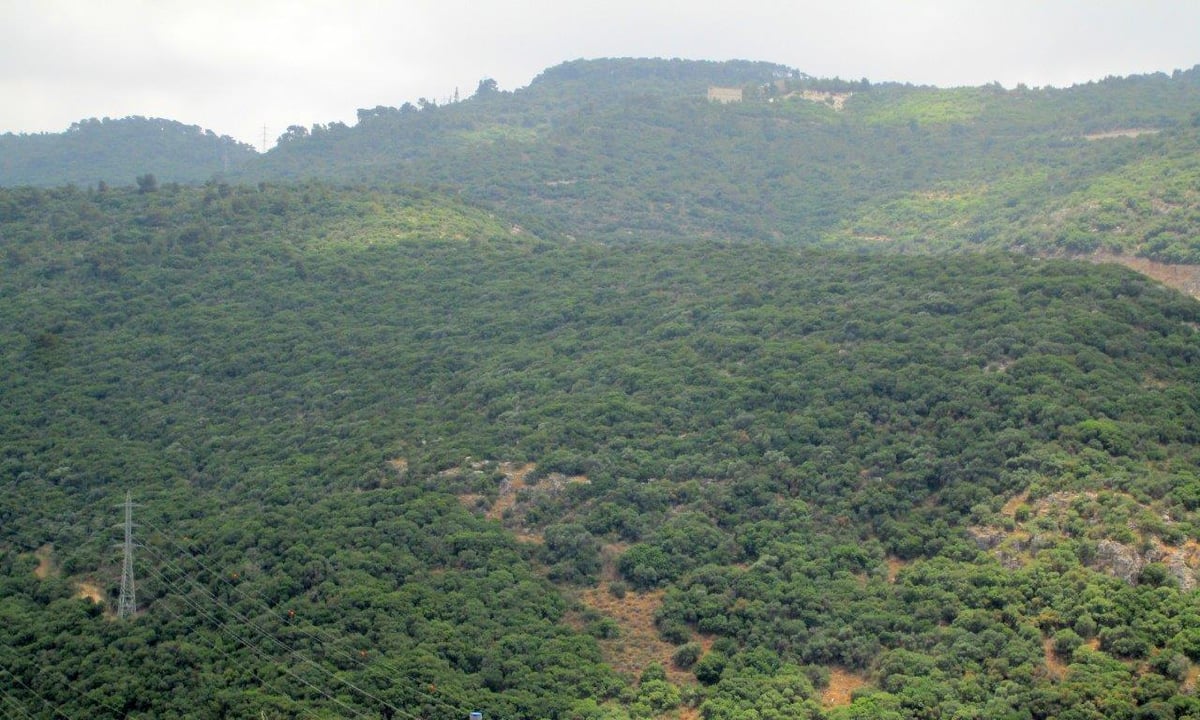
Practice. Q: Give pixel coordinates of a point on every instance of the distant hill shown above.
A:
(620, 77)
(118, 151)
(633, 150)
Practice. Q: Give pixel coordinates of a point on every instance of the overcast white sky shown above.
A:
(235, 66)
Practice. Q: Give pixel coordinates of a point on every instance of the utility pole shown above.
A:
(127, 604)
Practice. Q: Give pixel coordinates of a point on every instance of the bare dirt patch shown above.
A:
(1189, 681)
(514, 480)
(894, 566)
(46, 567)
(1123, 132)
(842, 684)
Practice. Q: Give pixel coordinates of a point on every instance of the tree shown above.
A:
(487, 88)
(294, 132)
(147, 183)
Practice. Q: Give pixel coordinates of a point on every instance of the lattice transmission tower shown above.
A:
(127, 604)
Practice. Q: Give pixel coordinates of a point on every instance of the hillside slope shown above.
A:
(800, 463)
(115, 152)
(631, 150)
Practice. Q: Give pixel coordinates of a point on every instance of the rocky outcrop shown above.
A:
(986, 538)
(1127, 562)
(1119, 560)
(1178, 568)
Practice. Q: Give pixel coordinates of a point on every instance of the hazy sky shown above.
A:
(235, 66)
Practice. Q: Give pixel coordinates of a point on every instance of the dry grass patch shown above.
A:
(638, 645)
(1010, 507)
(89, 591)
(689, 713)
(1123, 132)
(1188, 686)
(1056, 668)
(1185, 278)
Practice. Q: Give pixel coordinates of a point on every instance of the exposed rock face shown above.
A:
(1126, 563)
(1183, 574)
(986, 538)
(1014, 550)
(1119, 560)
(1031, 525)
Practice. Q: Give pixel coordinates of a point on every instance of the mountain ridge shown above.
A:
(631, 149)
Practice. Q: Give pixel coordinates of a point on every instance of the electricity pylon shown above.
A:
(127, 604)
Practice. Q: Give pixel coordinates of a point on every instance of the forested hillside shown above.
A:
(118, 152)
(397, 455)
(632, 150)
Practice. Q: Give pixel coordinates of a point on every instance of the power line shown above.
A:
(57, 710)
(162, 607)
(291, 651)
(127, 609)
(254, 649)
(15, 703)
(325, 639)
(181, 592)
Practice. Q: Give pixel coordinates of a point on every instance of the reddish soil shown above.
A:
(842, 684)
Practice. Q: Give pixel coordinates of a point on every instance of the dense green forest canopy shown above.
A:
(966, 481)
